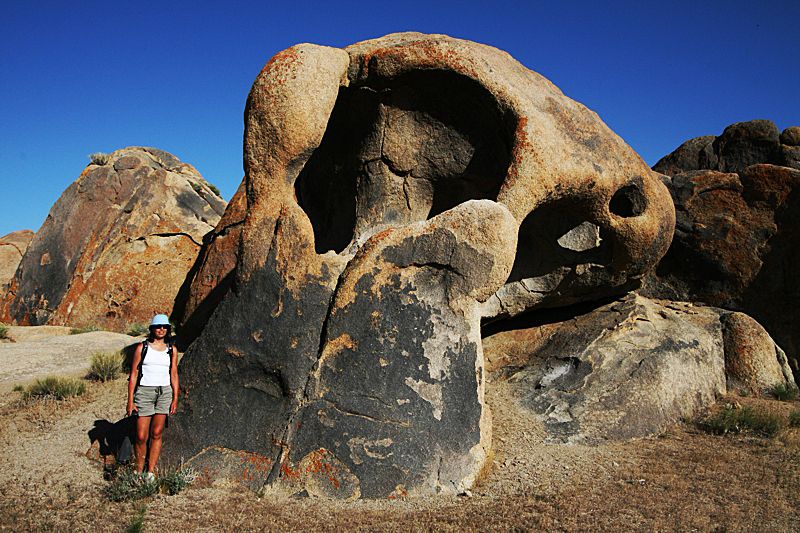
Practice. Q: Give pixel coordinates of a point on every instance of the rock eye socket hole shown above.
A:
(401, 150)
(555, 236)
(629, 201)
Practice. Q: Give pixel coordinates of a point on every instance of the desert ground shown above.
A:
(682, 480)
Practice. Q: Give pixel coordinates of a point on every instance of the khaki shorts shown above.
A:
(152, 400)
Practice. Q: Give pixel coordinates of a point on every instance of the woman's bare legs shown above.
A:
(156, 430)
(142, 434)
(151, 427)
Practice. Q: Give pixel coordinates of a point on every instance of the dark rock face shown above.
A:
(740, 145)
(116, 246)
(573, 376)
(386, 185)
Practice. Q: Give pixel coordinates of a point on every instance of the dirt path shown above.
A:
(40, 351)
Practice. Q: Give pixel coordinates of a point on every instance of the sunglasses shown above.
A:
(161, 326)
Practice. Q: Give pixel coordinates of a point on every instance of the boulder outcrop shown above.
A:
(397, 192)
(632, 367)
(740, 145)
(117, 246)
(737, 232)
(12, 248)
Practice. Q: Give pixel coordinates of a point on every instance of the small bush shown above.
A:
(794, 418)
(18, 388)
(54, 387)
(106, 366)
(99, 158)
(731, 420)
(137, 330)
(175, 480)
(4, 329)
(137, 521)
(784, 392)
(85, 329)
(215, 190)
(129, 485)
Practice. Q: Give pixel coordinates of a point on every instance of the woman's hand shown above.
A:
(131, 409)
(173, 407)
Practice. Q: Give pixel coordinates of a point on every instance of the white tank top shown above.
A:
(155, 368)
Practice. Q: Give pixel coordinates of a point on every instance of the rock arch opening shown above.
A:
(401, 150)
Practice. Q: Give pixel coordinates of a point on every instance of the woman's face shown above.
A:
(160, 331)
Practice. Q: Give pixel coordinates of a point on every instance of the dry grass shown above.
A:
(685, 480)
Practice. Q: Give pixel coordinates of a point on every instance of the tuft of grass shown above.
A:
(732, 420)
(85, 329)
(129, 485)
(18, 388)
(174, 480)
(784, 392)
(106, 366)
(794, 418)
(137, 521)
(4, 330)
(137, 329)
(215, 190)
(99, 158)
(54, 387)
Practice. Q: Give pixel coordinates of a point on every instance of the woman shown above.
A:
(153, 391)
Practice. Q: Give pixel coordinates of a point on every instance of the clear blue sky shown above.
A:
(84, 77)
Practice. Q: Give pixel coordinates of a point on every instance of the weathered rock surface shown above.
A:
(736, 246)
(740, 145)
(117, 245)
(630, 368)
(390, 187)
(12, 248)
(213, 274)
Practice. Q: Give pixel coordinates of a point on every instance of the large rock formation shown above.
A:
(740, 145)
(737, 234)
(630, 368)
(117, 246)
(12, 248)
(397, 192)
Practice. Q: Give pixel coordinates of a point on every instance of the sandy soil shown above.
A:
(685, 480)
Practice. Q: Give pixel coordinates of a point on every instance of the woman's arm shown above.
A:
(134, 378)
(173, 381)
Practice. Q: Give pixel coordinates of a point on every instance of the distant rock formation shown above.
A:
(737, 236)
(391, 189)
(117, 246)
(740, 145)
(12, 248)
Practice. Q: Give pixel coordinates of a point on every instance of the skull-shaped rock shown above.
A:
(397, 193)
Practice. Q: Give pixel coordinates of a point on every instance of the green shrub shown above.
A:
(794, 418)
(99, 158)
(196, 186)
(215, 190)
(175, 480)
(137, 521)
(54, 387)
(4, 329)
(85, 329)
(129, 485)
(784, 392)
(137, 330)
(106, 366)
(18, 388)
(731, 420)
